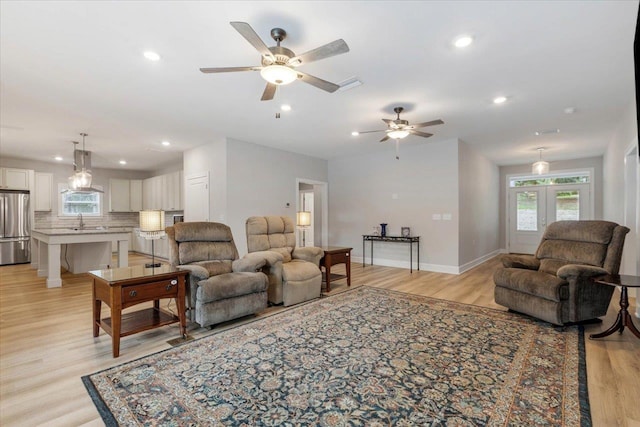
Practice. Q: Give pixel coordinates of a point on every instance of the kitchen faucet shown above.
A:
(81, 226)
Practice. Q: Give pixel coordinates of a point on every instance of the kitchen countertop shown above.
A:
(75, 231)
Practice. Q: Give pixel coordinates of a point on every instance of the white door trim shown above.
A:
(508, 178)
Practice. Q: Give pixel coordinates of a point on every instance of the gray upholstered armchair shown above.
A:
(555, 284)
(220, 286)
(294, 273)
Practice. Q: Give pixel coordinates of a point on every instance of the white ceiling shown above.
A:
(71, 67)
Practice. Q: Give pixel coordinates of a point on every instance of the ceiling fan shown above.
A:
(279, 63)
(399, 129)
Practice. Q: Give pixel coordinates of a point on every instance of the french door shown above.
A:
(532, 208)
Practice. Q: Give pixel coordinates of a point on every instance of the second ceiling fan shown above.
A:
(398, 129)
(279, 63)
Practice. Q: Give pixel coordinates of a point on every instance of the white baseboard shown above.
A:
(436, 268)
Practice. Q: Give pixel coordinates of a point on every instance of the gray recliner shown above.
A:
(294, 273)
(220, 286)
(556, 283)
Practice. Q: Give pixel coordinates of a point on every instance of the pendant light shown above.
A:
(540, 167)
(81, 178)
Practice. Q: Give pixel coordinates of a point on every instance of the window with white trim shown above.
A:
(73, 203)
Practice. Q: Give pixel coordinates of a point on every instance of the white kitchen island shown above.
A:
(48, 242)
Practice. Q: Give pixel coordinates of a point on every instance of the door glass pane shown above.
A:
(567, 205)
(527, 211)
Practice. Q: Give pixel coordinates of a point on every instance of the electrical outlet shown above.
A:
(436, 217)
(446, 217)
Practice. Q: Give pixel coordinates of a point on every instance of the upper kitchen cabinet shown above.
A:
(172, 196)
(14, 179)
(125, 195)
(43, 192)
(163, 192)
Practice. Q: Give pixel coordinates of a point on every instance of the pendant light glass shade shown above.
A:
(540, 167)
(80, 178)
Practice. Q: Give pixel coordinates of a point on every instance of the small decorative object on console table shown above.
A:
(152, 228)
(410, 240)
(383, 229)
(624, 318)
(120, 288)
(405, 231)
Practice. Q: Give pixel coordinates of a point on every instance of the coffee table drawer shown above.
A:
(150, 291)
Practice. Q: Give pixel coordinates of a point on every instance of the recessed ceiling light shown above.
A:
(285, 107)
(58, 158)
(463, 41)
(570, 110)
(355, 133)
(152, 56)
(123, 162)
(166, 143)
(499, 99)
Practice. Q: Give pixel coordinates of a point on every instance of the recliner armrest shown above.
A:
(197, 271)
(249, 263)
(571, 271)
(308, 253)
(271, 257)
(528, 262)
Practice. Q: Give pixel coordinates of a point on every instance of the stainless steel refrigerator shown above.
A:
(15, 231)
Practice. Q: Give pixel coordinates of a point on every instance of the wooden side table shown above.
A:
(624, 318)
(120, 288)
(334, 255)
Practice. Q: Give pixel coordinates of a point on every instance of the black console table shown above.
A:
(399, 239)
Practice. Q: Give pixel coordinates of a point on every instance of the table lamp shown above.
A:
(152, 228)
(303, 222)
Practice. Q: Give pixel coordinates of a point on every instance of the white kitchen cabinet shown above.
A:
(43, 192)
(125, 195)
(152, 189)
(14, 179)
(135, 195)
(172, 194)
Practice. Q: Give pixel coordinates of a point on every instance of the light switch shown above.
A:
(436, 217)
(394, 196)
(446, 217)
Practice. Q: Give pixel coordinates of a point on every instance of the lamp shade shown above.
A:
(152, 220)
(304, 218)
(398, 134)
(278, 74)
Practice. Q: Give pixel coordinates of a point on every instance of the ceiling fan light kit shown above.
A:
(278, 74)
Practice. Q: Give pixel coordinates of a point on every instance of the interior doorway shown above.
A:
(313, 196)
(532, 207)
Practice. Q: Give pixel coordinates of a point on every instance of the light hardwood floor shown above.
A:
(46, 343)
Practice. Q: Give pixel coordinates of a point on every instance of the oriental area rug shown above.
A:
(367, 357)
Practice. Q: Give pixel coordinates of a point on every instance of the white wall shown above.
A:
(479, 206)
(211, 158)
(262, 181)
(367, 190)
(613, 182)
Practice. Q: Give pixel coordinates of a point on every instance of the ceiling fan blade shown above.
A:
(229, 69)
(334, 48)
(385, 138)
(372, 131)
(422, 134)
(252, 37)
(269, 92)
(319, 83)
(425, 124)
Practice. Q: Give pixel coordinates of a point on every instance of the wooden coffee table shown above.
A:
(624, 318)
(120, 288)
(334, 255)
